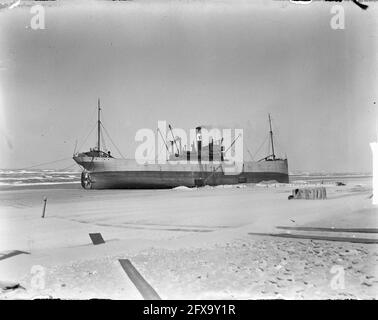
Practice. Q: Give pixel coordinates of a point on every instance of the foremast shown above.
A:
(271, 137)
(98, 125)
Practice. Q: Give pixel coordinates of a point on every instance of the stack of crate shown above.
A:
(309, 193)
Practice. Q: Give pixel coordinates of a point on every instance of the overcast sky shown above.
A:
(191, 63)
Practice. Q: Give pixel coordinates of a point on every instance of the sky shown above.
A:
(221, 63)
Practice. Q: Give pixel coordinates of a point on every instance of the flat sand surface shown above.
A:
(187, 243)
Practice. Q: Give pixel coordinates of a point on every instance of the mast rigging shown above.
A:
(174, 141)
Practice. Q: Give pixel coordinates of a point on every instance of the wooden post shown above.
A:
(44, 206)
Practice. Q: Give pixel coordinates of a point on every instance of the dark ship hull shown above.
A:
(165, 180)
(127, 174)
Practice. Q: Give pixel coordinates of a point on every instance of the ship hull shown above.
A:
(113, 173)
(169, 179)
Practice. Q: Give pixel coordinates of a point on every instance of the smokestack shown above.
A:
(222, 150)
(211, 144)
(199, 143)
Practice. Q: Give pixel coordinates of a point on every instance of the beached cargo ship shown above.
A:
(205, 165)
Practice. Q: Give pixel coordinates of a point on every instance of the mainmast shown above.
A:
(98, 125)
(271, 137)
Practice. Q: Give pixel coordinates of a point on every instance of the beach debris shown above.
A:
(44, 206)
(338, 183)
(309, 193)
(96, 238)
(367, 283)
(144, 288)
(5, 286)
(8, 254)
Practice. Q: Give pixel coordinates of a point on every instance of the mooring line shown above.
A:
(145, 289)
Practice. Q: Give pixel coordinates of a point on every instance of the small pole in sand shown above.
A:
(44, 206)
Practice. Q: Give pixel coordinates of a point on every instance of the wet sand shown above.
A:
(187, 243)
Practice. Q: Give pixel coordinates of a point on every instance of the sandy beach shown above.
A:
(187, 243)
